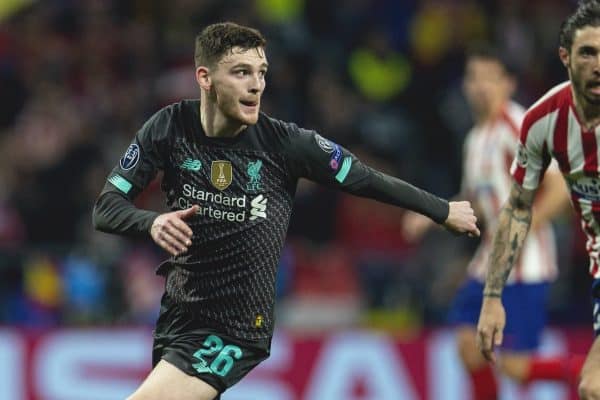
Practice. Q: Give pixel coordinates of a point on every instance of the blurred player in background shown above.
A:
(230, 174)
(489, 150)
(562, 125)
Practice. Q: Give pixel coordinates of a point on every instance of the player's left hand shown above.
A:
(490, 327)
(461, 219)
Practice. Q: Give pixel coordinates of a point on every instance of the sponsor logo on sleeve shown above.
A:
(221, 174)
(131, 157)
(325, 145)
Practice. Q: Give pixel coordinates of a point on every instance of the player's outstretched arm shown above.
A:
(513, 225)
(316, 158)
(461, 219)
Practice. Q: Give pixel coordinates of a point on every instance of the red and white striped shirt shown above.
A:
(489, 152)
(552, 129)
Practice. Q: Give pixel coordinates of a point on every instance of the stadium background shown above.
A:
(360, 310)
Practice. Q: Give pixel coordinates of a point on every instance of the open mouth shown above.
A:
(594, 87)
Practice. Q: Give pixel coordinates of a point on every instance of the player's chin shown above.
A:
(249, 118)
(593, 99)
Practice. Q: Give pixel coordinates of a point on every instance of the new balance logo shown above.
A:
(191, 165)
(596, 317)
(259, 207)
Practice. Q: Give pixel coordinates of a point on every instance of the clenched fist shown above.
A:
(461, 219)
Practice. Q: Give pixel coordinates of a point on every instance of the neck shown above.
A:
(489, 115)
(589, 114)
(215, 124)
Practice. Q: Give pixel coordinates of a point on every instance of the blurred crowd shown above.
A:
(381, 77)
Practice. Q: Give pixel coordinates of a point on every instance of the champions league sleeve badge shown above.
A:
(325, 145)
(522, 156)
(130, 158)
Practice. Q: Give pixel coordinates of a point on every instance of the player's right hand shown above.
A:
(461, 219)
(170, 232)
(490, 328)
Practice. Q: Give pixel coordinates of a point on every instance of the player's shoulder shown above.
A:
(280, 132)
(276, 126)
(285, 137)
(556, 96)
(176, 110)
(185, 106)
(161, 116)
(161, 123)
(555, 99)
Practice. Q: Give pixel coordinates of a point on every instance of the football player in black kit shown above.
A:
(230, 174)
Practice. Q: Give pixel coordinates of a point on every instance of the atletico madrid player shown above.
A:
(562, 125)
(489, 150)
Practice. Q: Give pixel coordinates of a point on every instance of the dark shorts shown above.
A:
(596, 305)
(525, 306)
(215, 358)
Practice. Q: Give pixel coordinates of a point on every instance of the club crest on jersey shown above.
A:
(521, 156)
(254, 175)
(325, 145)
(130, 158)
(221, 174)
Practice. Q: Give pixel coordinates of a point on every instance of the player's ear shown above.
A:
(203, 77)
(564, 56)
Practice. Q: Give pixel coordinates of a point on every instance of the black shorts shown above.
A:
(596, 305)
(183, 340)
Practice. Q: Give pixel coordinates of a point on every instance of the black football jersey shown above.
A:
(245, 187)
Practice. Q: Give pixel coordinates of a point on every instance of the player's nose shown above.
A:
(256, 84)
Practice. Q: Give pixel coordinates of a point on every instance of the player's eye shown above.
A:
(587, 51)
(241, 72)
(262, 73)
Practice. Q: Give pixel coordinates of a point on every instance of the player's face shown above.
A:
(486, 85)
(583, 64)
(238, 83)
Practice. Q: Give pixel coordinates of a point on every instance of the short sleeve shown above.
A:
(532, 157)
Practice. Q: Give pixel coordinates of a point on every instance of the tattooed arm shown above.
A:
(513, 225)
